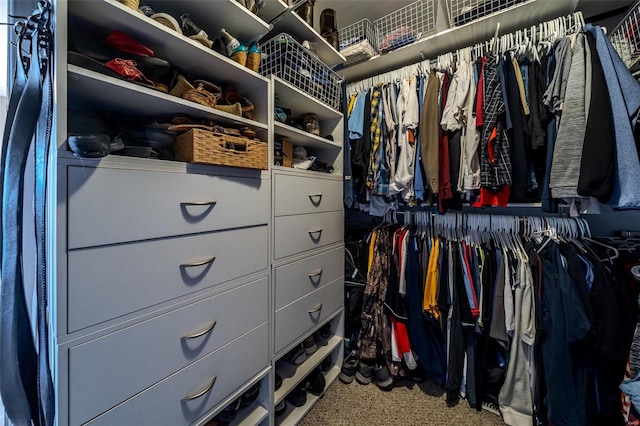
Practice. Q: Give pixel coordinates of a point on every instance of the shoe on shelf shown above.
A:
(310, 345)
(281, 408)
(278, 382)
(382, 378)
(298, 396)
(349, 367)
(364, 372)
(325, 365)
(315, 382)
(250, 395)
(324, 332)
(296, 356)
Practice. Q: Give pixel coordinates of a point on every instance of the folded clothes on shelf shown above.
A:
(398, 38)
(359, 52)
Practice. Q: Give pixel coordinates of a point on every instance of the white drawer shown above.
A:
(298, 195)
(109, 206)
(297, 279)
(163, 404)
(108, 282)
(295, 234)
(295, 319)
(102, 374)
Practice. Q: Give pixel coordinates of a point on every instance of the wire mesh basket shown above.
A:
(358, 41)
(464, 11)
(284, 57)
(406, 25)
(626, 38)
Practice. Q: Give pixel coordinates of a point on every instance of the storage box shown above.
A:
(283, 153)
(205, 147)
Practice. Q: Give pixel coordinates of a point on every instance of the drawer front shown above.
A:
(108, 282)
(163, 404)
(297, 279)
(109, 206)
(159, 347)
(296, 319)
(298, 195)
(295, 234)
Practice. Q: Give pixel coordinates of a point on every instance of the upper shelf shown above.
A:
(189, 55)
(482, 29)
(211, 16)
(293, 24)
(300, 103)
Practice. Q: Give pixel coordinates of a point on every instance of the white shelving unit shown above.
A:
(516, 17)
(293, 24)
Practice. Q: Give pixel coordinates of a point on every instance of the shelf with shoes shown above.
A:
(292, 375)
(90, 88)
(293, 24)
(245, 406)
(100, 17)
(326, 360)
(518, 16)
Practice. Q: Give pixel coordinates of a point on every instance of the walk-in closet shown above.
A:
(320, 212)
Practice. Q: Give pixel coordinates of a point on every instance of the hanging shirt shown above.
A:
(418, 182)
(407, 107)
(430, 302)
(430, 133)
(469, 141)
(444, 172)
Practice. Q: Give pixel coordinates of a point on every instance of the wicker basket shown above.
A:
(204, 147)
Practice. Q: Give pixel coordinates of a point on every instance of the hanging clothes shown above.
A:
(430, 134)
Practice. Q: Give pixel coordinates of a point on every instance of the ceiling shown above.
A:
(350, 11)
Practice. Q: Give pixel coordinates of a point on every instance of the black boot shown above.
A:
(306, 11)
(329, 28)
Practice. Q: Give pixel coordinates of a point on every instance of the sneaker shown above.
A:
(296, 356)
(382, 378)
(281, 407)
(364, 373)
(278, 381)
(315, 382)
(309, 345)
(325, 365)
(349, 367)
(298, 396)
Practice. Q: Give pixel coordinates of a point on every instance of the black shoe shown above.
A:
(278, 381)
(250, 395)
(298, 396)
(382, 378)
(324, 332)
(229, 413)
(349, 367)
(315, 382)
(309, 345)
(281, 408)
(296, 356)
(325, 365)
(364, 373)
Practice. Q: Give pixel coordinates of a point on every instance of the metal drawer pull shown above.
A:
(316, 308)
(200, 333)
(315, 273)
(198, 203)
(317, 231)
(318, 196)
(204, 262)
(202, 392)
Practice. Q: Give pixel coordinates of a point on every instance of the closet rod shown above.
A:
(544, 32)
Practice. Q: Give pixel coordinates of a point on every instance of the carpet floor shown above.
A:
(407, 404)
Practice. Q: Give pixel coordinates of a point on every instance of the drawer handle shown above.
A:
(200, 333)
(313, 197)
(193, 264)
(316, 308)
(202, 392)
(198, 203)
(315, 273)
(317, 231)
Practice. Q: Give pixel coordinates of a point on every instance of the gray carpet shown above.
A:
(409, 404)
